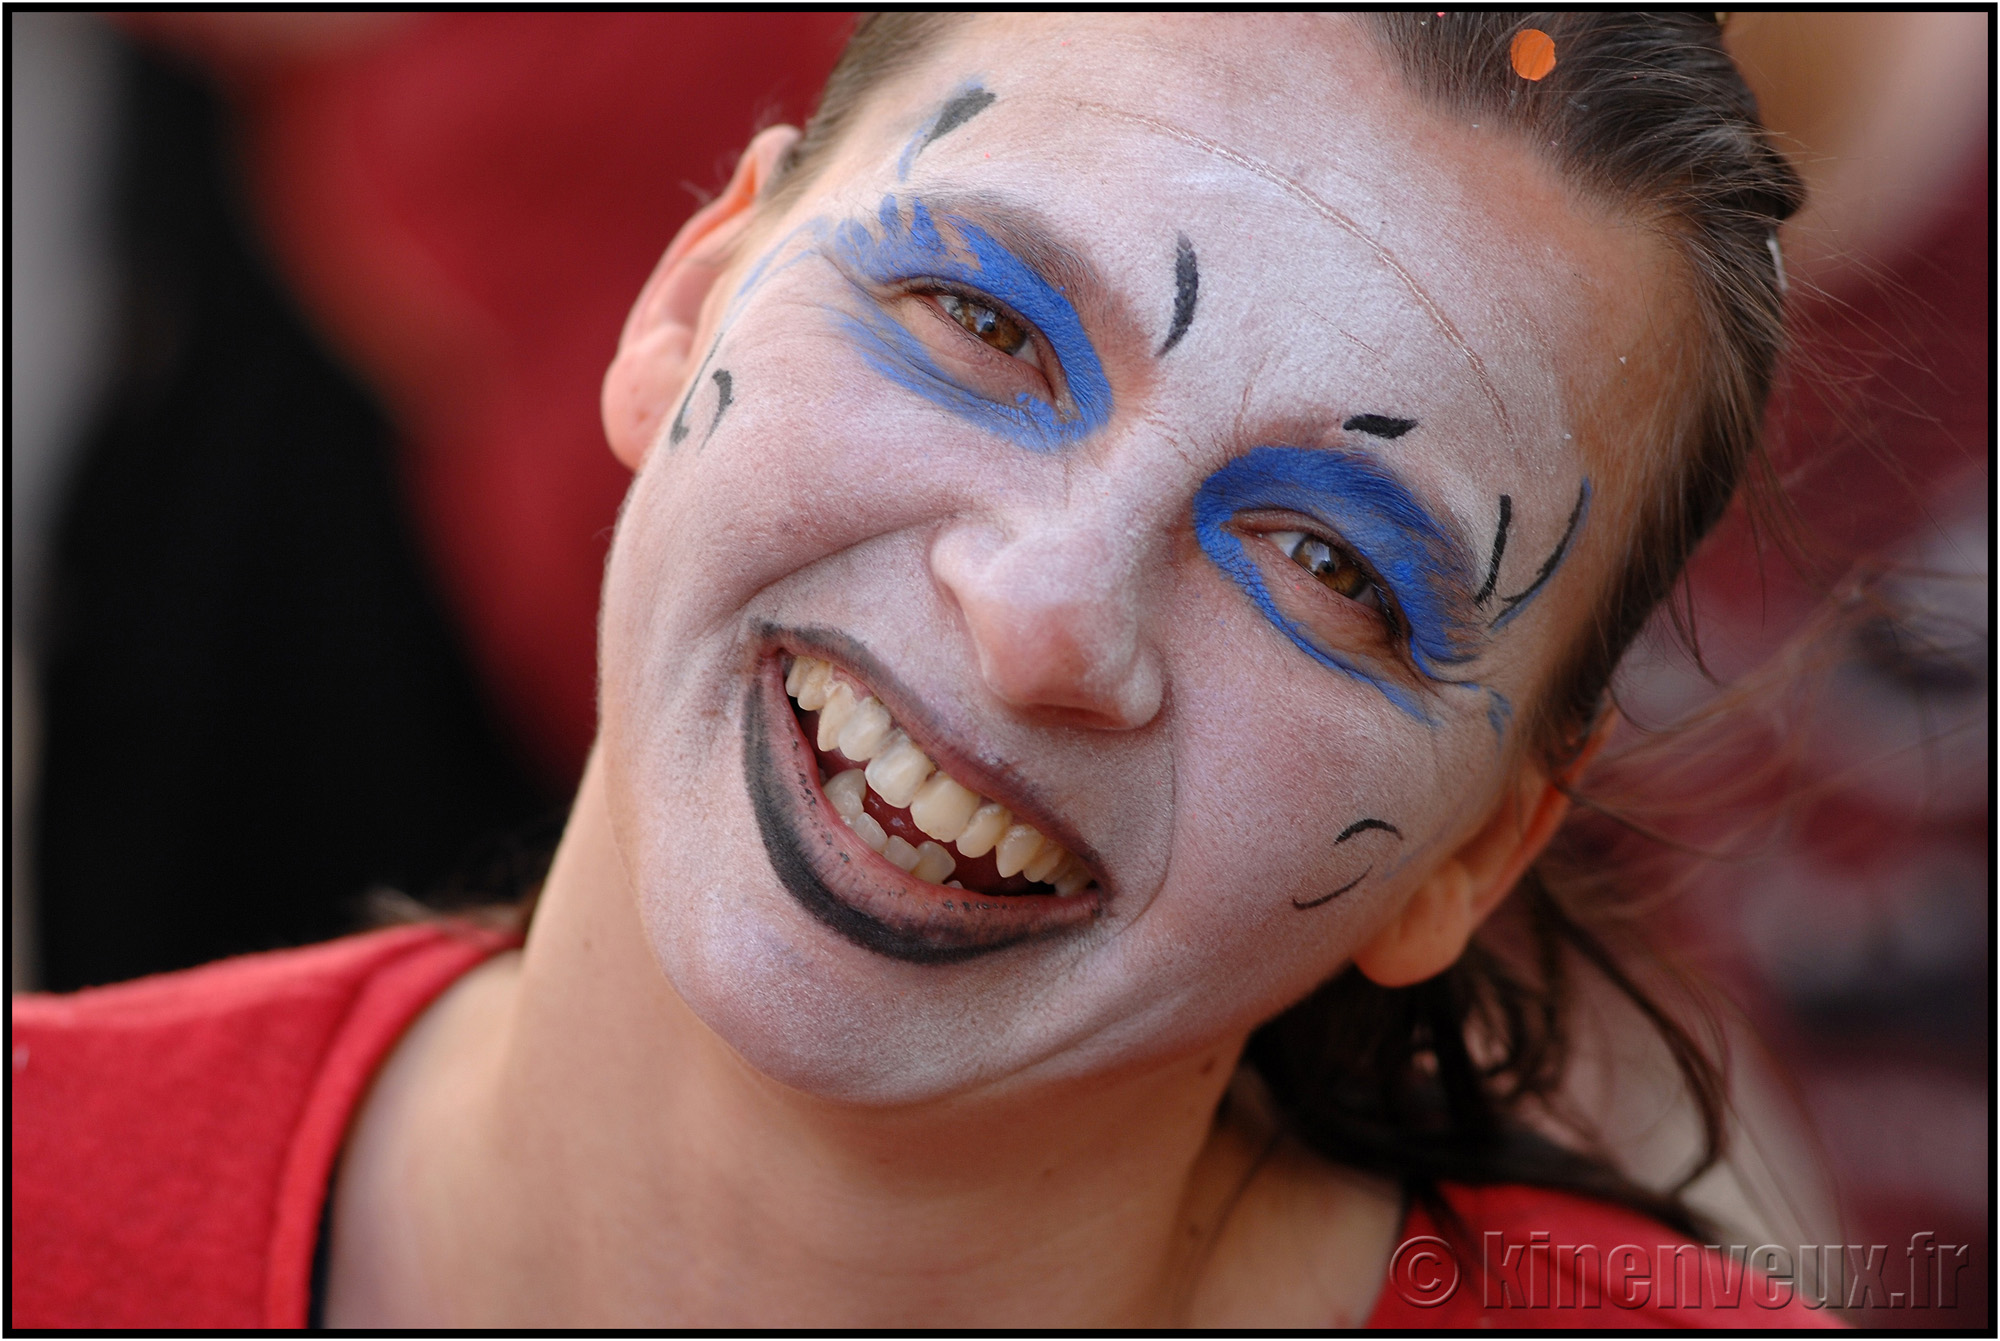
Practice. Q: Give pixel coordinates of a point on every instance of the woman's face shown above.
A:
(1187, 439)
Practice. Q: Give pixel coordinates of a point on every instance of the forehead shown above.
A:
(1355, 245)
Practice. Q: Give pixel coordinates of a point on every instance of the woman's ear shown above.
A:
(655, 352)
(1430, 932)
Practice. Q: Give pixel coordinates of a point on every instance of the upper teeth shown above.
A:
(903, 775)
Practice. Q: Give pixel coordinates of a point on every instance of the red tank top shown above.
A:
(173, 1138)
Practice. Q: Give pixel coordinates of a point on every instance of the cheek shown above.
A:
(1320, 787)
(786, 458)
(1306, 805)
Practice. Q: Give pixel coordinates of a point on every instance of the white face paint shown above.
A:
(1065, 566)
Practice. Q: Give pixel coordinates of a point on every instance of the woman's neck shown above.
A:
(562, 1142)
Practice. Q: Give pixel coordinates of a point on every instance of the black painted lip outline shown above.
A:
(810, 855)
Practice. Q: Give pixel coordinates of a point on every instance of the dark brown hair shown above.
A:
(1646, 113)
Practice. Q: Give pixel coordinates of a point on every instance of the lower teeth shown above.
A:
(871, 831)
(901, 776)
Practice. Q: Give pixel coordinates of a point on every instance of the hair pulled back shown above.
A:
(1646, 113)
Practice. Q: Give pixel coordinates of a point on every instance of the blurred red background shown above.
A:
(469, 207)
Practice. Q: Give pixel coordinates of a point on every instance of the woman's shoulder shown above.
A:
(169, 1136)
(1298, 1240)
(1535, 1257)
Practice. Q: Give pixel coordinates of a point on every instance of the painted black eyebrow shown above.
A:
(1379, 425)
(1187, 288)
(956, 113)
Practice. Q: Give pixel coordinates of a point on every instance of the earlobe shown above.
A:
(656, 349)
(1430, 931)
(1428, 935)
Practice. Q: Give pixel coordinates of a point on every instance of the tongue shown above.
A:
(979, 874)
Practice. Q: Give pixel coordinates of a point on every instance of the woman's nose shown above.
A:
(1054, 611)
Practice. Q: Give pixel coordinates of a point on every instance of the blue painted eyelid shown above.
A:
(1422, 566)
(1226, 550)
(917, 248)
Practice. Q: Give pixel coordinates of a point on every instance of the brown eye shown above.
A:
(995, 328)
(1335, 568)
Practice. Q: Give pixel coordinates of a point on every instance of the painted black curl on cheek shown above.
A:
(1363, 826)
(678, 430)
(725, 396)
(1359, 826)
(1304, 905)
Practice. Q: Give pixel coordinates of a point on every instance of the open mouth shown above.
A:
(880, 843)
(918, 817)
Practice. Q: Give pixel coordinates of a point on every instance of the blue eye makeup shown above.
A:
(960, 252)
(1422, 566)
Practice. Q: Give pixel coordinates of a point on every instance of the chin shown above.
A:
(815, 1031)
(890, 1014)
(819, 1016)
